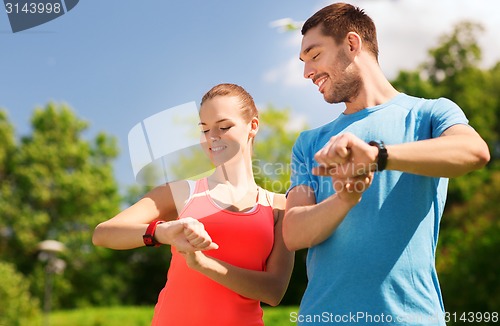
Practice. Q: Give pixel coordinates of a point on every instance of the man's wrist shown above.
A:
(345, 201)
(349, 200)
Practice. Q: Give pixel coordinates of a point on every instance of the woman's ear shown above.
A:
(254, 127)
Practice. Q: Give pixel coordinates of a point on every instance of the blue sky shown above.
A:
(117, 62)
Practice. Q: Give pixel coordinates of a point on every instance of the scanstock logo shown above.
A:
(26, 14)
(166, 146)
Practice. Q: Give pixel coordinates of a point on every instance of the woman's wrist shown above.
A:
(164, 232)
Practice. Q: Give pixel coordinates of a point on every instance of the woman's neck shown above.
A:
(238, 174)
(232, 186)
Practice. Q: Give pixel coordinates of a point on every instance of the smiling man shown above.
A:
(371, 260)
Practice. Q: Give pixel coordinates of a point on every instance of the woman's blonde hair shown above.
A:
(247, 105)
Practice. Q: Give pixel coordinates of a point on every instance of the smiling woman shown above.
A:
(228, 254)
(229, 119)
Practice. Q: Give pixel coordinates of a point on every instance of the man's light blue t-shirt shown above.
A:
(378, 267)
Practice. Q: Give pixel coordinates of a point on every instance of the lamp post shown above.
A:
(48, 250)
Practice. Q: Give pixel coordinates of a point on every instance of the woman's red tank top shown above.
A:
(245, 239)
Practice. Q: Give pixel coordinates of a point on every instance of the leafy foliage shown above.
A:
(271, 165)
(272, 149)
(468, 256)
(17, 307)
(56, 185)
(470, 236)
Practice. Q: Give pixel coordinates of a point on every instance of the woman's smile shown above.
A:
(217, 149)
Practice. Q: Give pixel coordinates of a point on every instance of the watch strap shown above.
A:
(382, 154)
(149, 236)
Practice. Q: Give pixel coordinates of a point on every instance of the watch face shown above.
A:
(382, 154)
(148, 239)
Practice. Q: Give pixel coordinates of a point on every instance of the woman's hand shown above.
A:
(196, 235)
(194, 259)
(351, 189)
(186, 235)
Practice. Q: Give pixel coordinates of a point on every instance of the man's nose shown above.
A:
(309, 71)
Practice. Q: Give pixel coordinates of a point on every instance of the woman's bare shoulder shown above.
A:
(279, 200)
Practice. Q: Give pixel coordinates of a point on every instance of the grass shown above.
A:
(279, 316)
(109, 316)
(141, 316)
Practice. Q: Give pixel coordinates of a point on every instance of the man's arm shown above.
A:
(457, 151)
(307, 224)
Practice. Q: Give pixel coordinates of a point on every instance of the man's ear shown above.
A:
(354, 43)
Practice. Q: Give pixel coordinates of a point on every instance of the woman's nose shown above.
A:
(214, 135)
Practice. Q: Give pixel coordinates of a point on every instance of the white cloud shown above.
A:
(294, 41)
(289, 73)
(286, 24)
(297, 122)
(407, 29)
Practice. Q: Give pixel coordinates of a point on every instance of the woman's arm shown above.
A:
(268, 286)
(125, 230)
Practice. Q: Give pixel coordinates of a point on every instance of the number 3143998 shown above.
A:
(33, 8)
(471, 317)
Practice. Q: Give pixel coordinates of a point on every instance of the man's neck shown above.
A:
(374, 92)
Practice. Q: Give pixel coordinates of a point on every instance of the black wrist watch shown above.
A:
(382, 154)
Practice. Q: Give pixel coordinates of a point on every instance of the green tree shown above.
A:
(470, 230)
(271, 165)
(452, 70)
(272, 149)
(17, 307)
(7, 149)
(468, 254)
(57, 185)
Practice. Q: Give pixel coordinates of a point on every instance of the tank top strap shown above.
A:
(197, 187)
(201, 187)
(269, 196)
